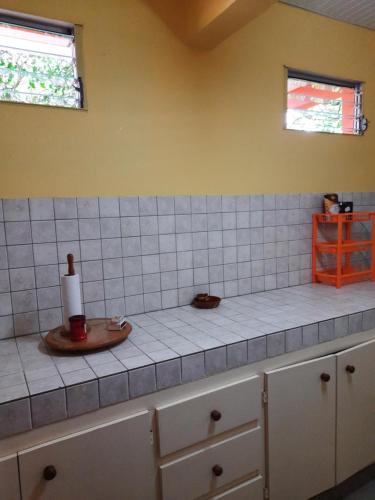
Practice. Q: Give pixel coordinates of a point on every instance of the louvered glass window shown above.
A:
(38, 63)
(321, 104)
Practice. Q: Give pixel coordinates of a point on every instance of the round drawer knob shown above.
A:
(215, 415)
(217, 470)
(49, 473)
(350, 369)
(325, 377)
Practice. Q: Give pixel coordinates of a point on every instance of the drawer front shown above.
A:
(251, 490)
(192, 476)
(190, 421)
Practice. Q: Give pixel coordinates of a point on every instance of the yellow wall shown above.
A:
(165, 119)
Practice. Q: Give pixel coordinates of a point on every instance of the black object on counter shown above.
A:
(346, 207)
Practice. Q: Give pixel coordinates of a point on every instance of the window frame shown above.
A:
(357, 85)
(24, 20)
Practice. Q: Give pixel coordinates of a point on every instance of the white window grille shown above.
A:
(322, 104)
(38, 62)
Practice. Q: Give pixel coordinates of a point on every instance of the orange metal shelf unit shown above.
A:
(344, 272)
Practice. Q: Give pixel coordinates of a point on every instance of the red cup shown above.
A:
(78, 327)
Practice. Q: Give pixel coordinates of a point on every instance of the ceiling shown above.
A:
(359, 12)
(205, 23)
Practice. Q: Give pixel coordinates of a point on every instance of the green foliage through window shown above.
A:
(37, 67)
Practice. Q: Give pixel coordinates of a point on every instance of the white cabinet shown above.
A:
(320, 422)
(213, 441)
(201, 417)
(301, 429)
(355, 410)
(112, 461)
(9, 483)
(212, 467)
(319, 430)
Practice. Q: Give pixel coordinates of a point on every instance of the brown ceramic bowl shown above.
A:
(204, 301)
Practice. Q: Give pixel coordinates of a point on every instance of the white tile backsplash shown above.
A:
(146, 253)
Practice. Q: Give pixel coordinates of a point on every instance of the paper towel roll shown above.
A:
(71, 297)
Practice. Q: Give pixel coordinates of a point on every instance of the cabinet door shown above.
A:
(301, 429)
(9, 483)
(113, 462)
(355, 409)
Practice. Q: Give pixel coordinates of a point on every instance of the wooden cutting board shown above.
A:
(97, 337)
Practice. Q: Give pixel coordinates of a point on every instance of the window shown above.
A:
(38, 62)
(321, 104)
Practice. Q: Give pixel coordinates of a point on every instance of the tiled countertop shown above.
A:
(174, 346)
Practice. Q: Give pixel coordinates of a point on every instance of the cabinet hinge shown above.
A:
(266, 494)
(151, 438)
(264, 397)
